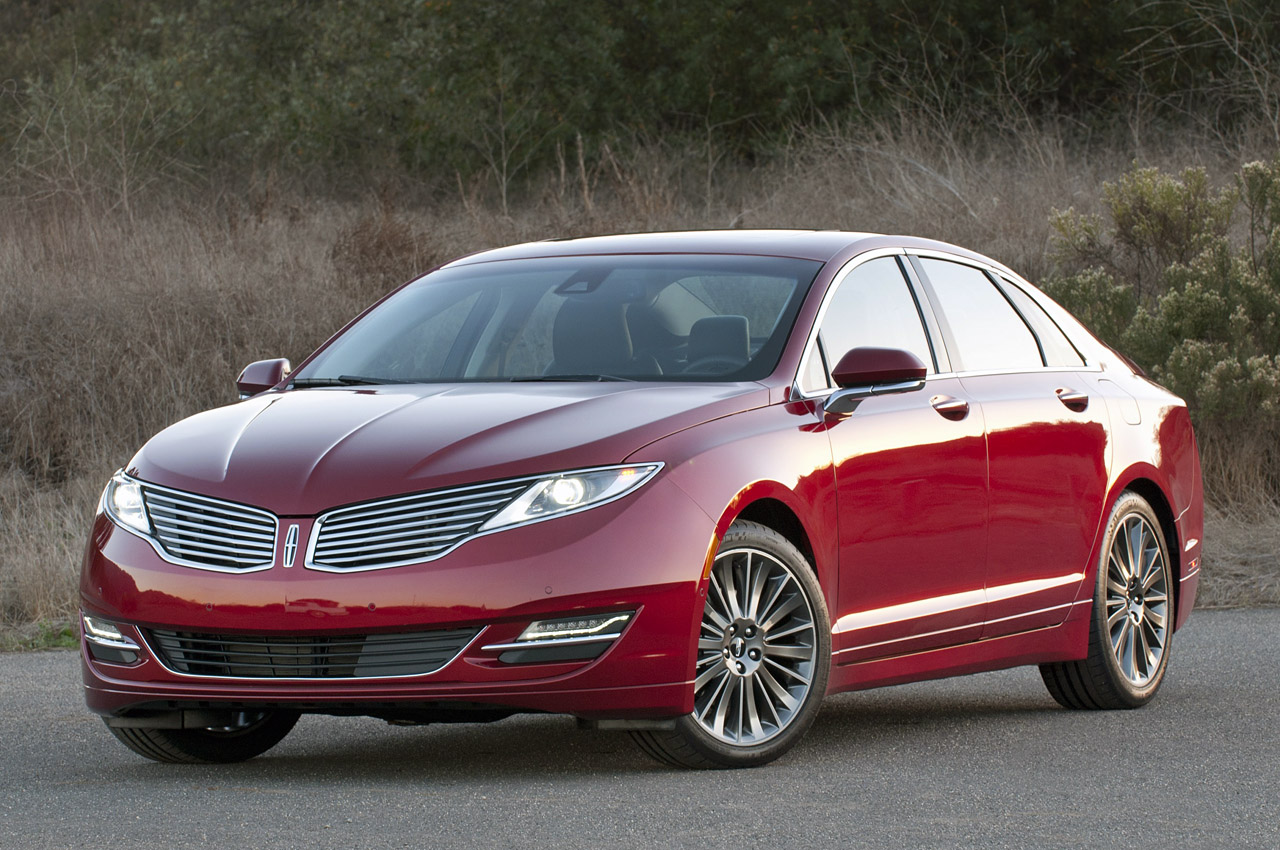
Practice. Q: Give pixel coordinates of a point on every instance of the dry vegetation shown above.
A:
(118, 319)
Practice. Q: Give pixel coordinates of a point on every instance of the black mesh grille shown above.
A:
(310, 656)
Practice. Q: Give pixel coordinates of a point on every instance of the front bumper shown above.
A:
(644, 554)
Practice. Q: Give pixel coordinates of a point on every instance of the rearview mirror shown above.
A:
(261, 375)
(866, 372)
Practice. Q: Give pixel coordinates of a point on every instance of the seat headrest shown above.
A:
(720, 336)
(590, 337)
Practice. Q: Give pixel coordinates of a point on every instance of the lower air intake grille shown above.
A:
(309, 657)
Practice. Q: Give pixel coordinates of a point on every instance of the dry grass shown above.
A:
(1241, 557)
(114, 325)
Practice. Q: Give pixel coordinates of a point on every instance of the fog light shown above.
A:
(107, 643)
(599, 627)
(563, 639)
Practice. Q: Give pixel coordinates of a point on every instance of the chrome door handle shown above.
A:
(1072, 399)
(950, 407)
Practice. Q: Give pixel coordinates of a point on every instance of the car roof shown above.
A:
(820, 245)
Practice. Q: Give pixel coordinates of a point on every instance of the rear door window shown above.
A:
(986, 332)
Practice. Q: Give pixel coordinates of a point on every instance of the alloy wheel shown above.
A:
(1137, 600)
(756, 649)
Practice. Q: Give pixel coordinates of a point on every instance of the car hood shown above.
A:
(301, 452)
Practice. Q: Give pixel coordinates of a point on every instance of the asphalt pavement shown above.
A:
(986, 761)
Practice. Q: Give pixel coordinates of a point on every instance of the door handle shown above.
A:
(1072, 399)
(950, 407)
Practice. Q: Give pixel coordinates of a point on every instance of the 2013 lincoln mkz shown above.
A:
(684, 485)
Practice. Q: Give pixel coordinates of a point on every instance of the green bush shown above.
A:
(1165, 278)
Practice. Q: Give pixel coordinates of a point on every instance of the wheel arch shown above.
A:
(776, 515)
(1155, 497)
(770, 504)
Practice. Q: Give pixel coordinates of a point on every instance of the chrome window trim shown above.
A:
(183, 562)
(320, 681)
(1029, 289)
(811, 341)
(314, 536)
(798, 393)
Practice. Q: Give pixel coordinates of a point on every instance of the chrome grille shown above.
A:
(210, 533)
(308, 657)
(406, 530)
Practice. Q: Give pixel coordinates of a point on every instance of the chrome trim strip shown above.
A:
(968, 626)
(999, 593)
(907, 638)
(536, 644)
(911, 611)
(114, 644)
(171, 516)
(933, 606)
(1040, 611)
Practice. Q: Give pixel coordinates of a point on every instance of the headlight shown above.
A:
(570, 492)
(122, 501)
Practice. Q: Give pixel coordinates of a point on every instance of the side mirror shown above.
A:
(866, 372)
(261, 375)
(873, 366)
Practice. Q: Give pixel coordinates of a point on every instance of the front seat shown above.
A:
(592, 338)
(719, 344)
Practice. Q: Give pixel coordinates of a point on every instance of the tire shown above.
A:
(257, 733)
(763, 657)
(1132, 620)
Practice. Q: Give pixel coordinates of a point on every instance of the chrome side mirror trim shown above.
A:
(847, 400)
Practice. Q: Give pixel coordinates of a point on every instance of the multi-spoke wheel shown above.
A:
(250, 733)
(1132, 617)
(764, 650)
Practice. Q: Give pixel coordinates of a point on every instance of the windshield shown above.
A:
(649, 318)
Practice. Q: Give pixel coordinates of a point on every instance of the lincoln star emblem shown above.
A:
(290, 545)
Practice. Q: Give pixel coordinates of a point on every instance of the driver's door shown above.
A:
(911, 485)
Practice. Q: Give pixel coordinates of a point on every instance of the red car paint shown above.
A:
(953, 529)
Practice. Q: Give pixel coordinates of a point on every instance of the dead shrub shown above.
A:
(378, 251)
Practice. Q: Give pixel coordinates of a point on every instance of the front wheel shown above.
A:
(764, 652)
(1132, 617)
(250, 734)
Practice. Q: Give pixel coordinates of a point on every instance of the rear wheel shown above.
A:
(250, 734)
(764, 652)
(1132, 617)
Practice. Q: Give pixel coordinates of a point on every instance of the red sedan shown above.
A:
(680, 484)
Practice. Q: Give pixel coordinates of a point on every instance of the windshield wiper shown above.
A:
(574, 378)
(342, 381)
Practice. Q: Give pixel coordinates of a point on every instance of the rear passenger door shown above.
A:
(1045, 438)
